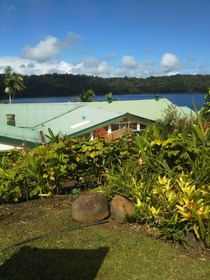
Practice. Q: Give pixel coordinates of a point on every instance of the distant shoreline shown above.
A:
(101, 95)
(184, 99)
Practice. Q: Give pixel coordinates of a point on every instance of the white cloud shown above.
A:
(88, 66)
(70, 40)
(129, 61)
(92, 66)
(50, 47)
(120, 72)
(170, 62)
(29, 67)
(43, 51)
(43, 59)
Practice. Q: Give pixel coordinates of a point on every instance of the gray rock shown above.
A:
(120, 207)
(90, 208)
(191, 239)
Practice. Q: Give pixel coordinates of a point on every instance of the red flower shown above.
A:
(24, 144)
(192, 204)
(100, 133)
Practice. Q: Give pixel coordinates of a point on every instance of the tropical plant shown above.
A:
(86, 96)
(173, 119)
(173, 205)
(156, 188)
(56, 138)
(12, 176)
(201, 131)
(110, 98)
(205, 110)
(41, 170)
(13, 82)
(193, 209)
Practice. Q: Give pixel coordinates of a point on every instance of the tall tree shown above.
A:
(86, 96)
(12, 82)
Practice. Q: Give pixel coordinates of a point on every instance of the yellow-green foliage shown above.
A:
(40, 171)
(169, 186)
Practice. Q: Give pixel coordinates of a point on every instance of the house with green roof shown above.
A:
(29, 123)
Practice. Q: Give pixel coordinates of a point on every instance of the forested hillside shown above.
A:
(73, 85)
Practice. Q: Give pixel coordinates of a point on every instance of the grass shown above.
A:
(107, 251)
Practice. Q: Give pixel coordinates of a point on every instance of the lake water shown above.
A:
(181, 99)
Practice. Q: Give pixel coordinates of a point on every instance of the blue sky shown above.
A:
(106, 38)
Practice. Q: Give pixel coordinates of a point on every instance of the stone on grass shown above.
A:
(120, 207)
(90, 208)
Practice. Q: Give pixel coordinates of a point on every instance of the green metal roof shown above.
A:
(16, 135)
(32, 120)
(149, 110)
(32, 114)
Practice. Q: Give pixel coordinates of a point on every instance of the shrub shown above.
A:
(40, 171)
(175, 120)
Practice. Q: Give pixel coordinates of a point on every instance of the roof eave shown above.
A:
(141, 120)
(94, 127)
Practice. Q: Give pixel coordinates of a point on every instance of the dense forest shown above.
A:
(50, 85)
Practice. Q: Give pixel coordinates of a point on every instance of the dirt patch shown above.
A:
(31, 210)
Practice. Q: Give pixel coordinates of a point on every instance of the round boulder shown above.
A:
(90, 208)
(120, 207)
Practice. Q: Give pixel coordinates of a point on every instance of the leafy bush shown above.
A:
(173, 205)
(174, 120)
(40, 171)
(170, 185)
(205, 110)
(12, 179)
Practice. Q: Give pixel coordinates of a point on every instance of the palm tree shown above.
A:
(110, 98)
(12, 82)
(86, 96)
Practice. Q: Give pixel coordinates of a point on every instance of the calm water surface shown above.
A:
(183, 99)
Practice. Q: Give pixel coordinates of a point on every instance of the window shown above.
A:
(115, 126)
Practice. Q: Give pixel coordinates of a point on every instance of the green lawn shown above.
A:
(105, 251)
